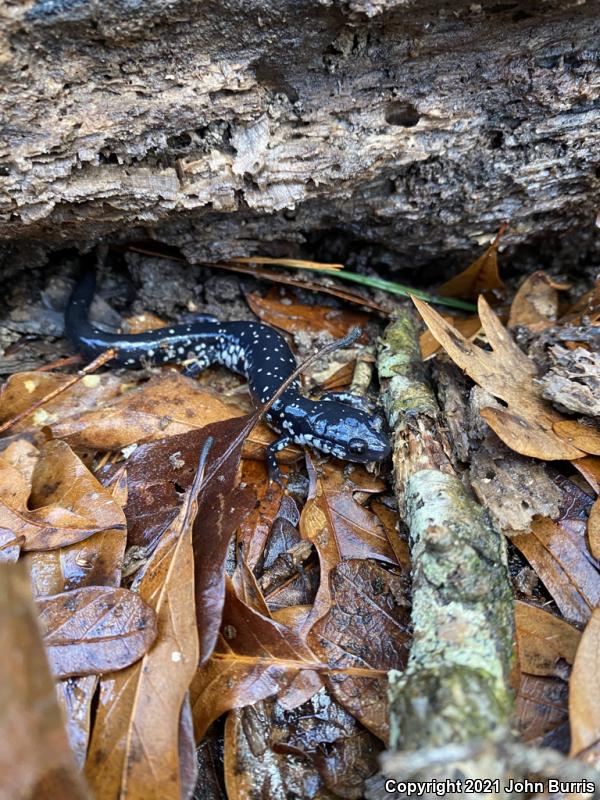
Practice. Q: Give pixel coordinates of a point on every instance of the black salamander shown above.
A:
(337, 423)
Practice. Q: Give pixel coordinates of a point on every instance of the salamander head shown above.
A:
(347, 433)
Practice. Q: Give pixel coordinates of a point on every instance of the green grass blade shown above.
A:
(398, 288)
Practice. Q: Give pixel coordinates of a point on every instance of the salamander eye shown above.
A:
(357, 447)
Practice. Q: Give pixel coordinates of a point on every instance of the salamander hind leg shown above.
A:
(273, 467)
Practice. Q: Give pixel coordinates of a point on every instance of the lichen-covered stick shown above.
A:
(456, 684)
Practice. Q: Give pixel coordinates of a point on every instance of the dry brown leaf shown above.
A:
(526, 425)
(293, 317)
(35, 759)
(255, 657)
(585, 309)
(468, 326)
(134, 747)
(24, 389)
(544, 640)
(583, 437)
(336, 380)
(340, 529)
(94, 630)
(66, 503)
(535, 304)
(481, 276)
(584, 694)
(558, 553)
(593, 530)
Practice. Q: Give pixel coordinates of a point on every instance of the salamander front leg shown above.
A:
(272, 465)
(192, 367)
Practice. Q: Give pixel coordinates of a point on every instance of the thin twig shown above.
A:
(61, 362)
(297, 263)
(102, 359)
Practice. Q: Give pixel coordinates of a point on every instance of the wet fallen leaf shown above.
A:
(535, 305)
(589, 467)
(593, 530)
(293, 317)
(9, 547)
(542, 711)
(94, 630)
(559, 555)
(222, 506)
(398, 541)
(368, 627)
(340, 529)
(96, 561)
(35, 759)
(66, 503)
(546, 642)
(247, 589)
(134, 750)
(254, 658)
(317, 750)
(526, 425)
(24, 389)
(254, 530)
(480, 276)
(75, 697)
(167, 405)
(584, 697)
(468, 326)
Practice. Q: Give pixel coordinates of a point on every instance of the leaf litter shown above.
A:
(173, 591)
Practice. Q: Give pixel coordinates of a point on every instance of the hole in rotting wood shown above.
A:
(496, 140)
(403, 114)
(179, 141)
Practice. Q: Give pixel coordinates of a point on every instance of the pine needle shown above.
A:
(337, 271)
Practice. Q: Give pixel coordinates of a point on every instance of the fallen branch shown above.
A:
(456, 685)
(541, 763)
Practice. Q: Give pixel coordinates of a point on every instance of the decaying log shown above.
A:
(455, 688)
(384, 131)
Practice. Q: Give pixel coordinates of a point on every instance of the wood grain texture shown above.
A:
(365, 117)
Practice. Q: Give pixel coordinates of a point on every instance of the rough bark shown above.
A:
(412, 129)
